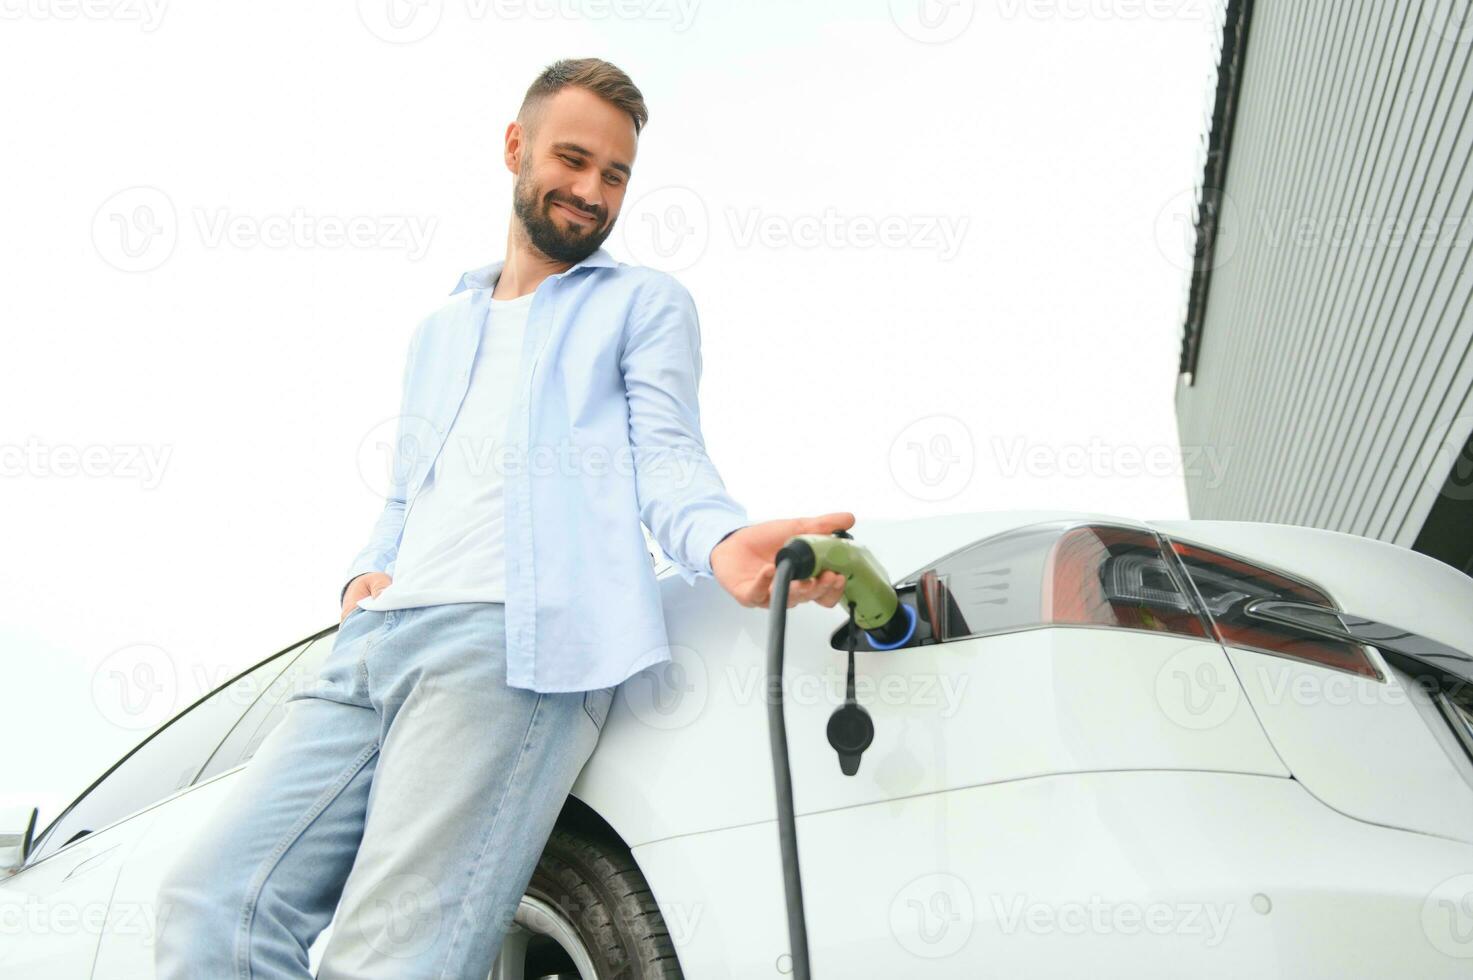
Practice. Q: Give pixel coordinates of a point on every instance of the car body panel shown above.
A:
(962, 713)
(1362, 746)
(1015, 780)
(1141, 874)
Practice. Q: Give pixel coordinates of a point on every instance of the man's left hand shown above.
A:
(745, 562)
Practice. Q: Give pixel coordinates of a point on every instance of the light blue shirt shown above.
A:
(604, 434)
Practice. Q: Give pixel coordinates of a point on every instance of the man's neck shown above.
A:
(525, 267)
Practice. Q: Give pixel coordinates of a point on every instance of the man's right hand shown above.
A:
(365, 585)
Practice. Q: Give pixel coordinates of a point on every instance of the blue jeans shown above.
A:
(408, 788)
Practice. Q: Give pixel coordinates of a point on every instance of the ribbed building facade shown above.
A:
(1327, 352)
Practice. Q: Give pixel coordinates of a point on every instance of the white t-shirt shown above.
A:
(453, 545)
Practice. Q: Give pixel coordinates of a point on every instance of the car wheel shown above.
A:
(588, 914)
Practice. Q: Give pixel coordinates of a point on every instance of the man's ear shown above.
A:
(516, 145)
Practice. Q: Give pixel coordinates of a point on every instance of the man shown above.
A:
(497, 605)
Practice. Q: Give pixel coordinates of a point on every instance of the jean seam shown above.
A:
(589, 712)
(258, 884)
(478, 864)
(368, 645)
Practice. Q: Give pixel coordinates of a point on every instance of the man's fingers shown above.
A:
(839, 520)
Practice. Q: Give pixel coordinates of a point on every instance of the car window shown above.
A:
(166, 761)
(264, 715)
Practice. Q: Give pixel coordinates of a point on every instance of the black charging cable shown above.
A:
(777, 735)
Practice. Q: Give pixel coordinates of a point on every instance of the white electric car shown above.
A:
(1111, 748)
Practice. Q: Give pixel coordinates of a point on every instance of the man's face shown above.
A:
(572, 175)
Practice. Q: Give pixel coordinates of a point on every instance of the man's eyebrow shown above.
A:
(623, 168)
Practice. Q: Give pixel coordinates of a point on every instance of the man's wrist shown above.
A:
(342, 598)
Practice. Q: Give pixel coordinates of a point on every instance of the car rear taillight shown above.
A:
(1226, 584)
(1101, 575)
(1063, 573)
(1059, 573)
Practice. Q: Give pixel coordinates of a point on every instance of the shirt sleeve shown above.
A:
(383, 540)
(682, 499)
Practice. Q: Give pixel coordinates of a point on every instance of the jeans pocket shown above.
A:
(596, 703)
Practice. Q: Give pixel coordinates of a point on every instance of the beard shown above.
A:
(572, 244)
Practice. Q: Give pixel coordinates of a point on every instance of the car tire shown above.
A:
(595, 886)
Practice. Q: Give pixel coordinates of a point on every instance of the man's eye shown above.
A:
(614, 180)
(570, 160)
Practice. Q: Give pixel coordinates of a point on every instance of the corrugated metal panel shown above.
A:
(1334, 373)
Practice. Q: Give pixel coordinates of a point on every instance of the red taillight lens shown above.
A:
(1063, 573)
(1226, 584)
(1101, 575)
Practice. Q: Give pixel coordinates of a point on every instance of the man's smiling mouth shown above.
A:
(581, 216)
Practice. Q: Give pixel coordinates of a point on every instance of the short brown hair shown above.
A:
(595, 75)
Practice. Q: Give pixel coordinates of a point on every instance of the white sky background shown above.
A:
(1056, 140)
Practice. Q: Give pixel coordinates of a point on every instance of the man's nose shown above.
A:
(589, 191)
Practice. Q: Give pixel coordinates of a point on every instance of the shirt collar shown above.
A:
(485, 277)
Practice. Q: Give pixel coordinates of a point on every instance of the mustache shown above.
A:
(596, 214)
